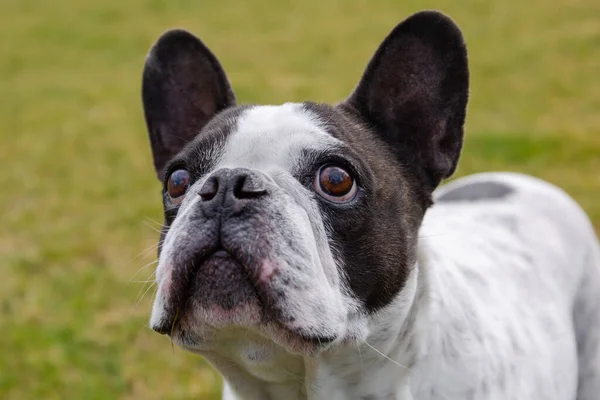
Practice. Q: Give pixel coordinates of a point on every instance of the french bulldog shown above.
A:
(308, 253)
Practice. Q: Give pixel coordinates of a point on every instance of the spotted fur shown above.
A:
(486, 288)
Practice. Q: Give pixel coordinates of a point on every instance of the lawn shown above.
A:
(78, 195)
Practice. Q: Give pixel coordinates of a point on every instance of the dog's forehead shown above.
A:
(275, 136)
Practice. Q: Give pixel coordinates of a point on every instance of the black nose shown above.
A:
(228, 186)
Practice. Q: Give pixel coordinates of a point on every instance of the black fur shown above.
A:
(376, 237)
(183, 87)
(414, 94)
(477, 191)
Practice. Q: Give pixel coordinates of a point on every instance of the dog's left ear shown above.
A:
(183, 87)
(414, 94)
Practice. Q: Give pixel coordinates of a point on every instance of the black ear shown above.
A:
(183, 87)
(414, 94)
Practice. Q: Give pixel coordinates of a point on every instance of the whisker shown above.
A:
(143, 268)
(140, 292)
(297, 378)
(233, 364)
(433, 235)
(145, 293)
(360, 360)
(173, 328)
(135, 306)
(385, 356)
(147, 281)
(152, 248)
(144, 289)
(147, 250)
(155, 221)
(152, 227)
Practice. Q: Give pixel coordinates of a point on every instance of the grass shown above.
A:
(78, 192)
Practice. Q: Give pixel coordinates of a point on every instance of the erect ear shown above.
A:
(414, 94)
(183, 87)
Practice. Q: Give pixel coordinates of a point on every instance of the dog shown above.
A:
(308, 251)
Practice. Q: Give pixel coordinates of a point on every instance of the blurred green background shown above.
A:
(77, 190)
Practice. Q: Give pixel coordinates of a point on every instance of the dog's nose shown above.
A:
(232, 185)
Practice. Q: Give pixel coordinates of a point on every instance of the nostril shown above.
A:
(248, 186)
(209, 189)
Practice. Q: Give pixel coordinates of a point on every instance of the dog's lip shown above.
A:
(307, 339)
(316, 340)
(292, 340)
(221, 253)
(170, 325)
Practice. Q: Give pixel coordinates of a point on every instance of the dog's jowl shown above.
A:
(308, 252)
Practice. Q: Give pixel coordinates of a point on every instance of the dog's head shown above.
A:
(295, 223)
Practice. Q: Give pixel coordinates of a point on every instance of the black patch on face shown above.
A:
(198, 156)
(404, 121)
(477, 191)
(376, 235)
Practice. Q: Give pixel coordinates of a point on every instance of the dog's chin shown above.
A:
(197, 337)
(201, 330)
(223, 299)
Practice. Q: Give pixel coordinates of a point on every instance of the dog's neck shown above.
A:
(378, 368)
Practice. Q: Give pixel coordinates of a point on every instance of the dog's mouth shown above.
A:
(215, 282)
(219, 291)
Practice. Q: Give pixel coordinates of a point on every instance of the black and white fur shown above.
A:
(486, 288)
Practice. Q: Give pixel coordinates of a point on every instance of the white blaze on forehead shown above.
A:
(274, 136)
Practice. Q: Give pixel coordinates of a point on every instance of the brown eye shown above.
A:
(335, 184)
(178, 184)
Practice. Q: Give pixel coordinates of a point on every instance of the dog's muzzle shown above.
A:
(214, 264)
(242, 253)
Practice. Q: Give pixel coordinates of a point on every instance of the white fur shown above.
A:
(487, 313)
(270, 140)
(498, 281)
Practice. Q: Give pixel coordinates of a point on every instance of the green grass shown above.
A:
(78, 190)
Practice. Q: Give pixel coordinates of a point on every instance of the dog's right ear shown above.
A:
(183, 87)
(414, 94)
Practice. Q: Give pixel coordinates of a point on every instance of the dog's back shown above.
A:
(522, 263)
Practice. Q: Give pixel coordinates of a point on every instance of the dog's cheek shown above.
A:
(375, 248)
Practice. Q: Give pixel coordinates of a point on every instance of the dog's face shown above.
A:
(295, 223)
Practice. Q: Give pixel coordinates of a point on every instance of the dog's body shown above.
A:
(302, 257)
(477, 329)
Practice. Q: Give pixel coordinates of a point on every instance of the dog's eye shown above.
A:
(335, 184)
(178, 184)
